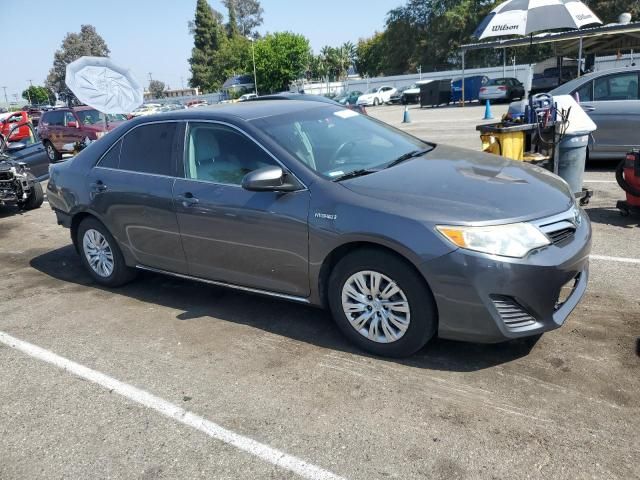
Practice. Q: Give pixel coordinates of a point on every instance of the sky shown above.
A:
(152, 35)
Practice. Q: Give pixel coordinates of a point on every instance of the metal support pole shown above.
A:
(504, 62)
(255, 76)
(463, 52)
(579, 57)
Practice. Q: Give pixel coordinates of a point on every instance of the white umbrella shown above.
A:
(523, 17)
(103, 85)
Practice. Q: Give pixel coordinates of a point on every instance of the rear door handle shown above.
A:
(188, 200)
(98, 186)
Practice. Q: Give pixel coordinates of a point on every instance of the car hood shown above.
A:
(452, 185)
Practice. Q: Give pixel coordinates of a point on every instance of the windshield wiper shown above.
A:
(407, 156)
(355, 173)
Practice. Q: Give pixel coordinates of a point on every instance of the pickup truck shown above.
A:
(550, 79)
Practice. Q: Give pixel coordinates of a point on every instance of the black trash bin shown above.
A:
(435, 93)
(572, 157)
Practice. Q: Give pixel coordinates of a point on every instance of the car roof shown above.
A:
(577, 82)
(249, 110)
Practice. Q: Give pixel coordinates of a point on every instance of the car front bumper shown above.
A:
(489, 299)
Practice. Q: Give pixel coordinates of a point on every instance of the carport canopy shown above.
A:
(605, 39)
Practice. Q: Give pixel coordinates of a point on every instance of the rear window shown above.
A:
(149, 149)
(497, 81)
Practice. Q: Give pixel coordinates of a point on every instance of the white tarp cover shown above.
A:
(103, 85)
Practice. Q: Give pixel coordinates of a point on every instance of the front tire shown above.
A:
(52, 153)
(381, 303)
(101, 255)
(36, 197)
(376, 102)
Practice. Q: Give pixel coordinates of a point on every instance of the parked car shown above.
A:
(399, 238)
(12, 119)
(551, 79)
(376, 96)
(145, 109)
(28, 151)
(62, 128)
(507, 89)
(349, 98)
(612, 100)
(410, 94)
(247, 96)
(197, 104)
(170, 107)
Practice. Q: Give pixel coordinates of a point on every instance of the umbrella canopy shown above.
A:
(522, 17)
(103, 85)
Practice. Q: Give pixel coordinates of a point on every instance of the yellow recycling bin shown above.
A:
(508, 141)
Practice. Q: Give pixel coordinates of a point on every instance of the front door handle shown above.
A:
(588, 108)
(98, 186)
(188, 200)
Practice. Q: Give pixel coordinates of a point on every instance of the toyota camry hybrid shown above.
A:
(400, 238)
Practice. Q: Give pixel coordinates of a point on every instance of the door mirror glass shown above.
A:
(268, 179)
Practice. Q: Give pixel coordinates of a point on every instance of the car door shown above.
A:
(613, 103)
(33, 154)
(252, 239)
(131, 190)
(52, 128)
(70, 132)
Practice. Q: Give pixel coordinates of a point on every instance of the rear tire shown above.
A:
(376, 102)
(36, 197)
(395, 325)
(52, 153)
(101, 255)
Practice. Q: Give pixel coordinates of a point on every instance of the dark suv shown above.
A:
(60, 129)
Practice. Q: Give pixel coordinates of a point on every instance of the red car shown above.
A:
(62, 128)
(12, 119)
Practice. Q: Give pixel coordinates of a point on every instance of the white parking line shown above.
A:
(246, 444)
(614, 259)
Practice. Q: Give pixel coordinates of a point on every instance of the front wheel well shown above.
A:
(342, 251)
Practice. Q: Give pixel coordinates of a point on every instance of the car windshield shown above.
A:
(335, 142)
(93, 117)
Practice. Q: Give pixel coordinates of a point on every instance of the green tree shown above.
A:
(280, 59)
(74, 46)
(610, 10)
(232, 25)
(156, 88)
(209, 37)
(370, 55)
(247, 13)
(39, 95)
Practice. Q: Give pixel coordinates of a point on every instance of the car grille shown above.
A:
(560, 228)
(6, 176)
(511, 312)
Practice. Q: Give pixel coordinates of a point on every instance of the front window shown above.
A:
(94, 117)
(334, 141)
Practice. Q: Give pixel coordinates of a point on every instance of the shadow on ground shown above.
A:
(611, 216)
(199, 301)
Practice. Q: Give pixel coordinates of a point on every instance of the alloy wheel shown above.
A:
(51, 153)
(98, 253)
(375, 306)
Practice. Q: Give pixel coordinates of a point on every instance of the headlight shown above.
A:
(513, 240)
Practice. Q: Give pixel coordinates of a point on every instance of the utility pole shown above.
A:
(31, 82)
(182, 82)
(150, 77)
(6, 100)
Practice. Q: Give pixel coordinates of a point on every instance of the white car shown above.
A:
(146, 109)
(247, 96)
(376, 96)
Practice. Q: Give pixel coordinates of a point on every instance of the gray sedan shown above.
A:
(399, 238)
(612, 99)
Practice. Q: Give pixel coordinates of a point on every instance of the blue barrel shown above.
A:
(472, 87)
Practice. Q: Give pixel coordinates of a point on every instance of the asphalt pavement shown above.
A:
(147, 380)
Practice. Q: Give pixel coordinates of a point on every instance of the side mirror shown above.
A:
(269, 179)
(15, 146)
(72, 124)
